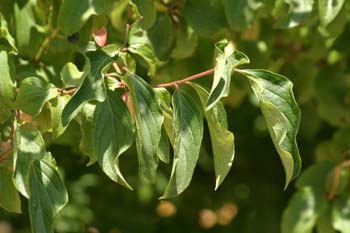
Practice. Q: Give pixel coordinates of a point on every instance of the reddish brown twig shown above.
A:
(336, 179)
(186, 80)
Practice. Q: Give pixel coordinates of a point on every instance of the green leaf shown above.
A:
(186, 42)
(302, 211)
(241, 13)
(315, 176)
(298, 12)
(162, 36)
(48, 194)
(112, 135)
(29, 146)
(146, 9)
(33, 94)
(86, 127)
(91, 87)
(57, 106)
(328, 10)
(282, 115)
(222, 139)
(163, 149)
(226, 60)
(5, 35)
(164, 99)
(7, 84)
(188, 132)
(149, 120)
(141, 48)
(70, 75)
(9, 197)
(324, 222)
(73, 14)
(341, 213)
(204, 16)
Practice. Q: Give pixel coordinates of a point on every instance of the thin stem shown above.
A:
(67, 92)
(336, 179)
(188, 79)
(4, 155)
(45, 44)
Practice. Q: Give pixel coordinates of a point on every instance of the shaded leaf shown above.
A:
(73, 14)
(149, 120)
(241, 13)
(226, 60)
(162, 36)
(282, 115)
(186, 42)
(222, 139)
(163, 149)
(33, 94)
(112, 135)
(91, 87)
(188, 132)
(9, 197)
(146, 9)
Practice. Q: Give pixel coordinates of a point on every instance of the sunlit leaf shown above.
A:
(282, 115)
(91, 87)
(227, 58)
(112, 135)
(328, 10)
(48, 194)
(149, 120)
(33, 94)
(302, 211)
(188, 132)
(222, 139)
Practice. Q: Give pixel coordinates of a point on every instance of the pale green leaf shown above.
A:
(33, 94)
(341, 213)
(328, 10)
(29, 146)
(86, 127)
(73, 14)
(302, 211)
(7, 84)
(149, 120)
(188, 132)
(48, 194)
(141, 48)
(282, 115)
(324, 222)
(57, 106)
(222, 139)
(9, 197)
(226, 60)
(91, 87)
(70, 75)
(112, 135)
(5, 34)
